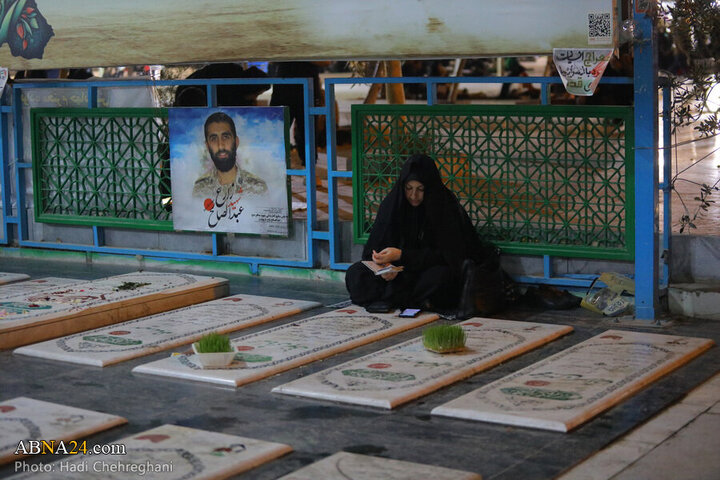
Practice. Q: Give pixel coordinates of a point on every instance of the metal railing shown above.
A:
(313, 234)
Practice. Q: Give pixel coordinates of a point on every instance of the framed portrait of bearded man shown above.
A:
(228, 169)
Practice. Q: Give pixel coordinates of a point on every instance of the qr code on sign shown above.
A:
(599, 28)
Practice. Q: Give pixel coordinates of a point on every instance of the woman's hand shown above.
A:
(387, 255)
(389, 276)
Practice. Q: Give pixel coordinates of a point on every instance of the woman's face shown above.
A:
(414, 192)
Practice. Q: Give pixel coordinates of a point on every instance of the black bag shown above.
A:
(484, 290)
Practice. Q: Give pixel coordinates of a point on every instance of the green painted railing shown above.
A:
(102, 167)
(542, 180)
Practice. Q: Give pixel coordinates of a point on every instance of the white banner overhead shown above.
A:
(44, 34)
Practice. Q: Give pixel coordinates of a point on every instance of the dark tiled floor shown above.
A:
(315, 428)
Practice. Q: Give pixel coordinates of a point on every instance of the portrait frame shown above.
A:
(254, 196)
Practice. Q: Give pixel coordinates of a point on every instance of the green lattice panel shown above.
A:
(553, 180)
(101, 167)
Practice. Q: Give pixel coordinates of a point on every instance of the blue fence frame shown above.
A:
(646, 182)
(4, 175)
(431, 86)
(20, 220)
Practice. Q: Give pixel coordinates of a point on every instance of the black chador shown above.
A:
(434, 237)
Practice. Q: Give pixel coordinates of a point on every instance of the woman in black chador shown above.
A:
(422, 227)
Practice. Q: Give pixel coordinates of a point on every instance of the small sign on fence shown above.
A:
(581, 68)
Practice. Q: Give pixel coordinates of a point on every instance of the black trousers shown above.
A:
(407, 290)
(292, 97)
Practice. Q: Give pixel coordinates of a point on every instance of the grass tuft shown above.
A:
(213, 343)
(444, 338)
(131, 286)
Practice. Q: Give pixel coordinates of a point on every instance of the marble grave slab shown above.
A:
(573, 386)
(6, 277)
(171, 452)
(407, 371)
(146, 335)
(288, 346)
(50, 313)
(353, 466)
(25, 418)
(34, 286)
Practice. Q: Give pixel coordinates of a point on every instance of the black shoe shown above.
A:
(379, 307)
(552, 298)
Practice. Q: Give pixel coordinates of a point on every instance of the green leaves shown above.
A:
(24, 28)
(694, 27)
(703, 203)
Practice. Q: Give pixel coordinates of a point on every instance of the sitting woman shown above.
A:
(422, 227)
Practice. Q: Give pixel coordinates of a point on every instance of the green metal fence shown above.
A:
(103, 167)
(550, 180)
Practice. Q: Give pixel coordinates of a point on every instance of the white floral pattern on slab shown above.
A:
(12, 277)
(352, 466)
(171, 452)
(23, 419)
(54, 312)
(143, 336)
(573, 386)
(288, 346)
(404, 372)
(24, 308)
(33, 286)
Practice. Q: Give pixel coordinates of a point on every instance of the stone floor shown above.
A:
(316, 429)
(695, 161)
(681, 442)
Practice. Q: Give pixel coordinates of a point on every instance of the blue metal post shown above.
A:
(92, 96)
(310, 188)
(547, 266)
(646, 169)
(431, 88)
(98, 232)
(331, 150)
(211, 96)
(666, 185)
(4, 174)
(19, 164)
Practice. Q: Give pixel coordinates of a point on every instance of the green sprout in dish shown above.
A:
(444, 338)
(213, 343)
